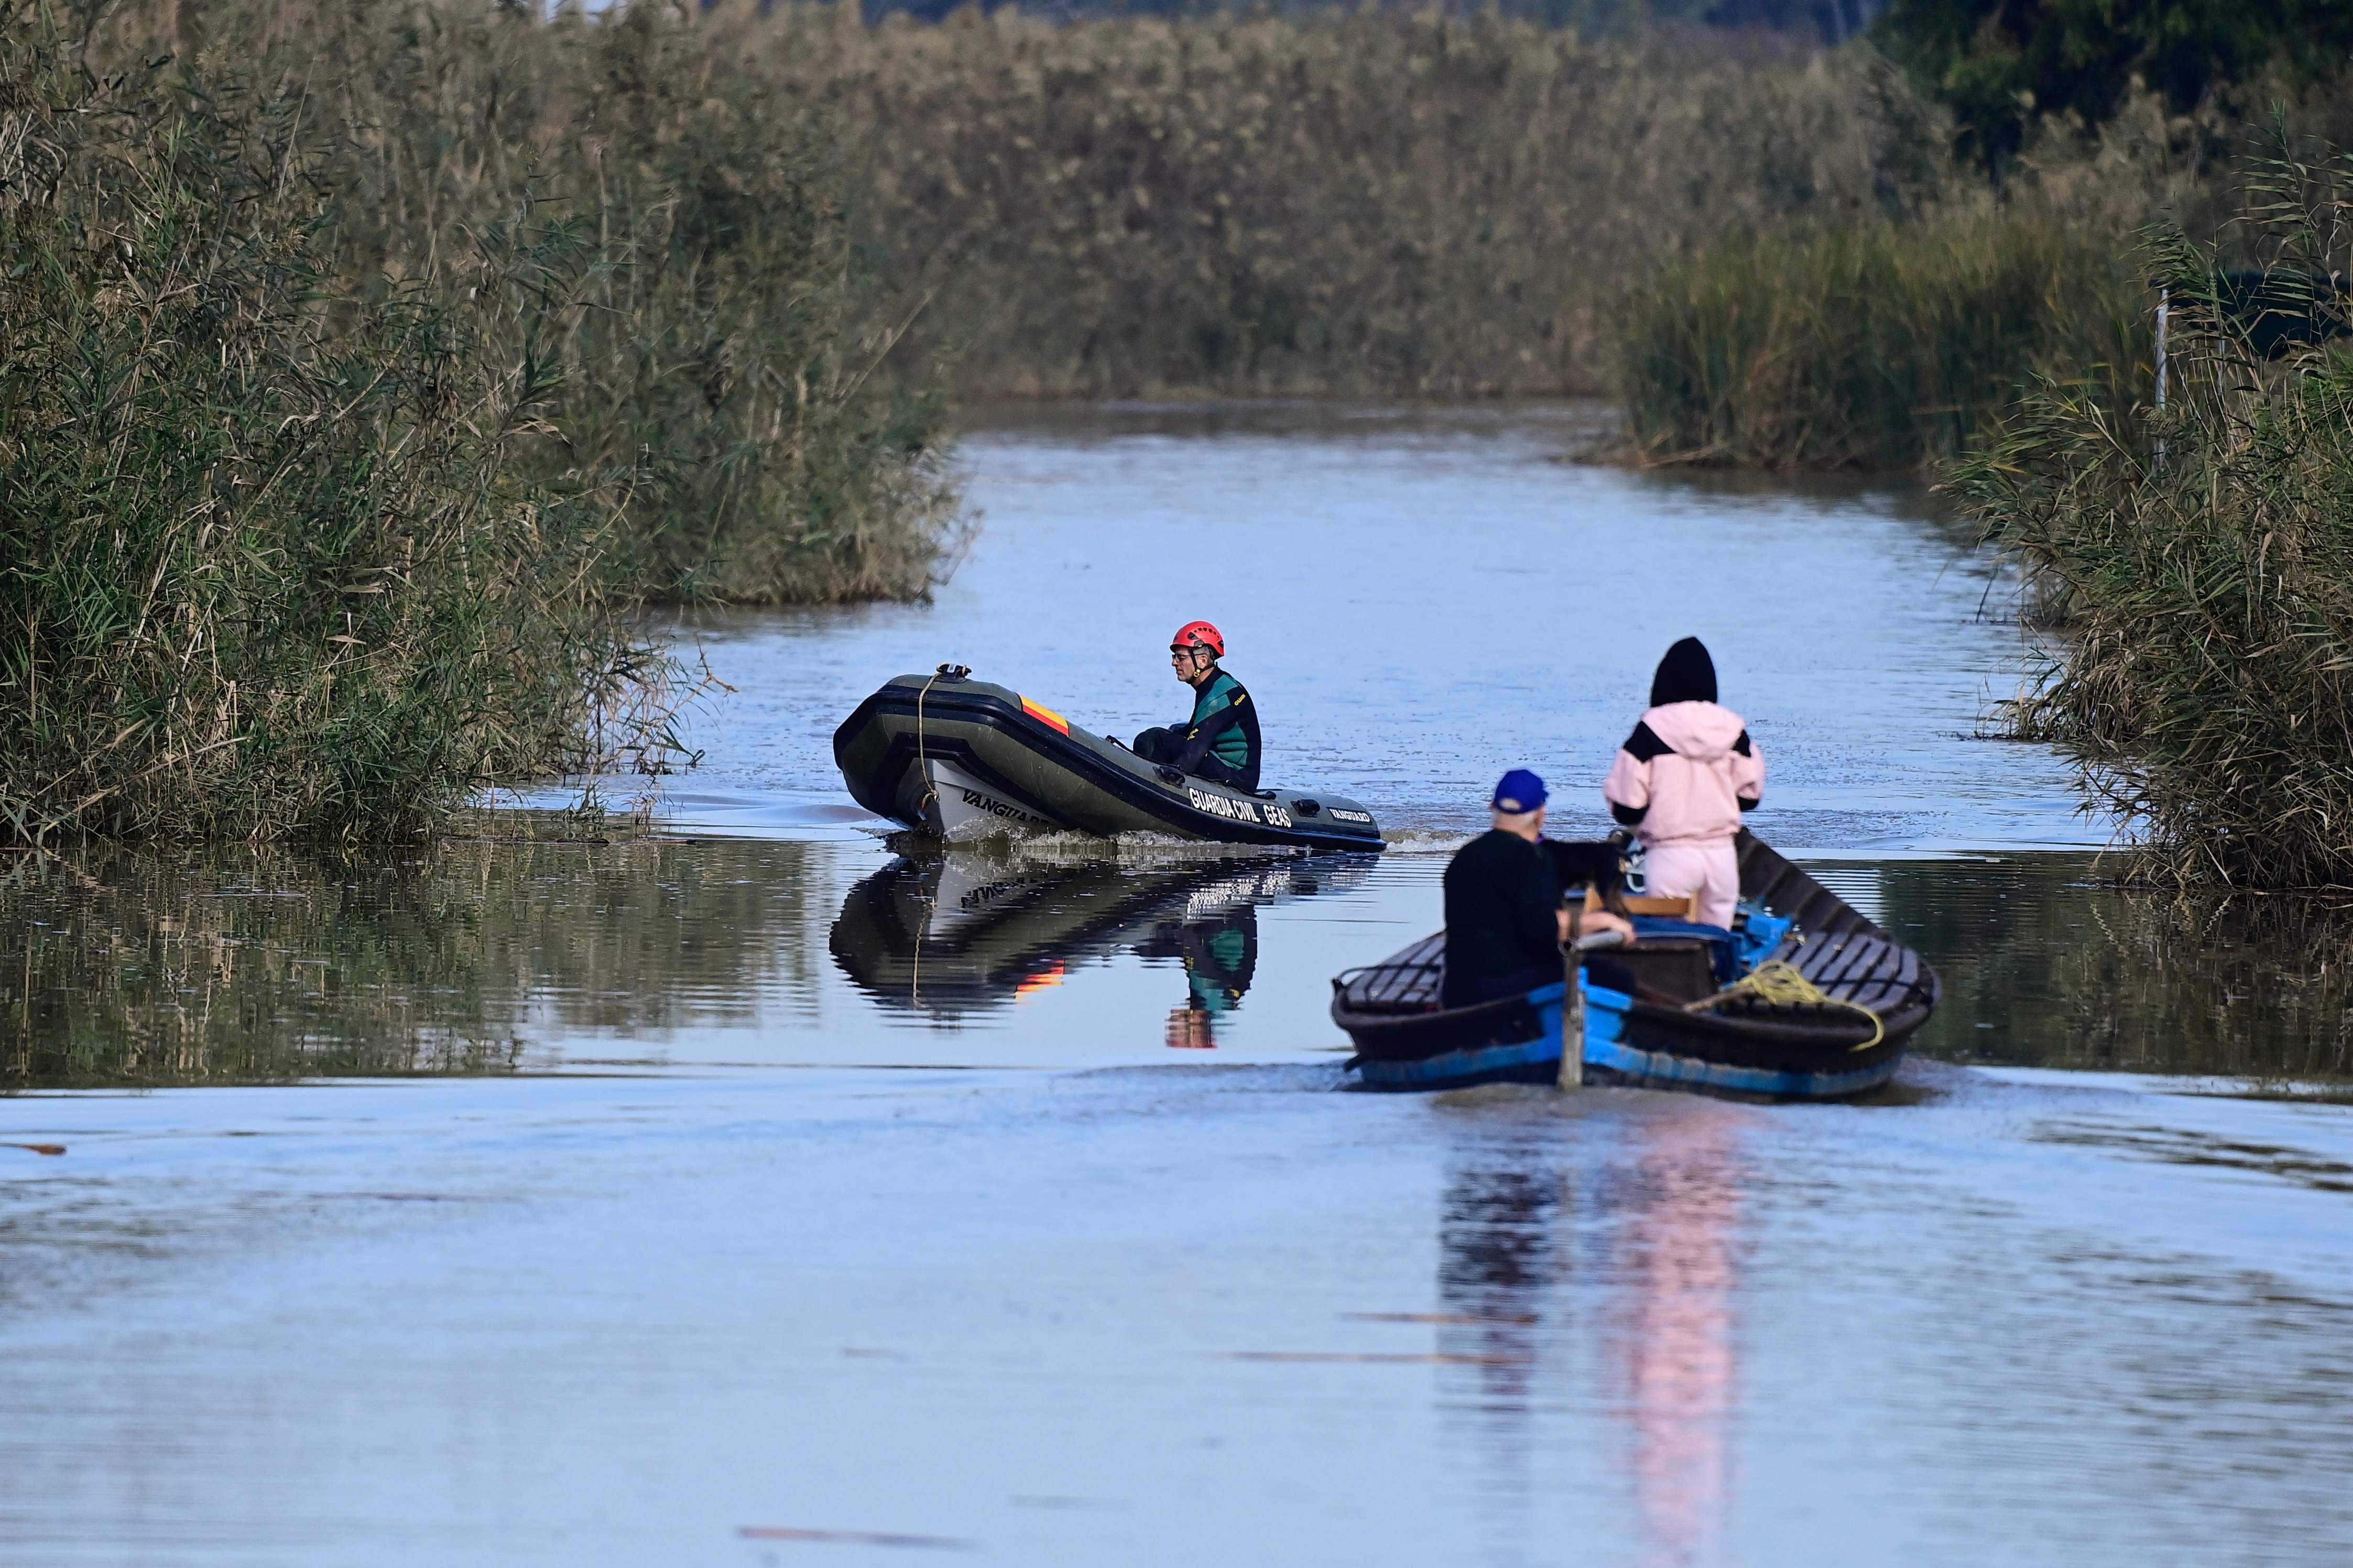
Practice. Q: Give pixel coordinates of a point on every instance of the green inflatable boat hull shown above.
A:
(961, 758)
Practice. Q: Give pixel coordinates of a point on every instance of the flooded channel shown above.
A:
(762, 1188)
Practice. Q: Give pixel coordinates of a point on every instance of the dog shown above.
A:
(1599, 864)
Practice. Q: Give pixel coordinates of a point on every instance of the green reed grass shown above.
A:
(363, 370)
(1341, 201)
(2202, 600)
(732, 348)
(1878, 345)
(269, 559)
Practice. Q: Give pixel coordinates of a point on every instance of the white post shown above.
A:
(2164, 299)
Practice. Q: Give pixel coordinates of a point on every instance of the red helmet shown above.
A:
(1199, 634)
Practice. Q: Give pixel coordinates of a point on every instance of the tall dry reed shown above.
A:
(272, 559)
(734, 349)
(1417, 205)
(1879, 345)
(2198, 571)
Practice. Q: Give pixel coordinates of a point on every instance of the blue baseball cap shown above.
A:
(1520, 791)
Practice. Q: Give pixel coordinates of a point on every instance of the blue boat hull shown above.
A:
(1611, 1057)
(1534, 1060)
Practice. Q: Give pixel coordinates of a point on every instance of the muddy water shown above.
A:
(761, 1191)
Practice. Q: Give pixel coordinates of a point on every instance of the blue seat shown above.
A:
(1757, 934)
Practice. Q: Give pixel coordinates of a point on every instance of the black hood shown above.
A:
(1685, 675)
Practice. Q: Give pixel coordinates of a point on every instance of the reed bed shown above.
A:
(1901, 338)
(1340, 202)
(269, 557)
(731, 347)
(2198, 572)
(809, 220)
(1884, 344)
(362, 371)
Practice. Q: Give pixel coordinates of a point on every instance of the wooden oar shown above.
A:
(1572, 1002)
(37, 1147)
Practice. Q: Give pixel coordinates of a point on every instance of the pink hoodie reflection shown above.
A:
(1685, 773)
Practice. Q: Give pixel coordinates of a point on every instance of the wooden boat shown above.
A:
(960, 758)
(1748, 1046)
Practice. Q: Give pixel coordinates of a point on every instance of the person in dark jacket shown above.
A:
(1220, 742)
(1504, 922)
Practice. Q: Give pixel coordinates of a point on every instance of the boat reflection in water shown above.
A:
(1503, 1238)
(1618, 1259)
(1670, 1334)
(957, 931)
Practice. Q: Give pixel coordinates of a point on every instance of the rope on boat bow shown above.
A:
(944, 672)
(950, 672)
(1776, 983)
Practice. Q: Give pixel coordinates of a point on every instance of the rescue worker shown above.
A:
(1220, 742)
(1505, 921)
(1682, 781)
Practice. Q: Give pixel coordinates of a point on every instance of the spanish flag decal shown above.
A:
(1046, 716)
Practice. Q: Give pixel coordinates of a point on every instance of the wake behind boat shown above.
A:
(958, 757)
(1870, 993)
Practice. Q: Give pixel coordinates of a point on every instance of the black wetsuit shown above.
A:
(1502, 936)
(1220, 742)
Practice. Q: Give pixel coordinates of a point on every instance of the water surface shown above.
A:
(759, 1190)
(1419, 601)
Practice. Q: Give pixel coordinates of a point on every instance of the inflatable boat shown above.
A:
(960, 758)
(1685, 1022)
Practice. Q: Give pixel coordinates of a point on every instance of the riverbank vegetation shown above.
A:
(799, 210)
(724, 345)
(1902, 337)
(1346, 202)
(2196, 575)
(1879, 345)
(271, 554)
(1772, 255)
(370, 368)
(347, 421)
(1903, 340)
(1319, 201)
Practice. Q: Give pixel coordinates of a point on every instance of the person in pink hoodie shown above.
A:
(1681, 781)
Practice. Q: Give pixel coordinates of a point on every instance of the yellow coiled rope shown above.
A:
(1776, 983)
